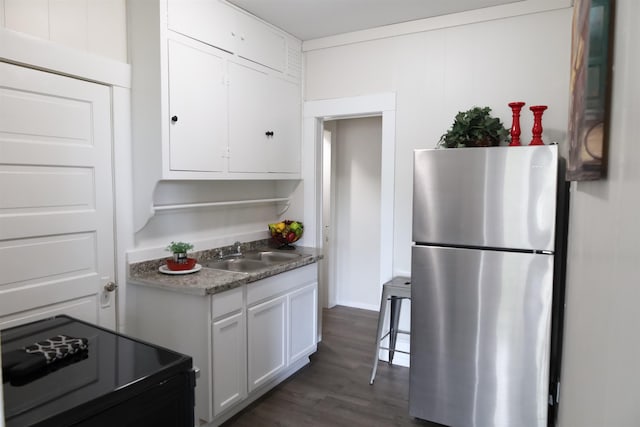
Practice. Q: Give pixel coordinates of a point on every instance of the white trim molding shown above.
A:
(42, 54)
(525, 7)
(314, 113)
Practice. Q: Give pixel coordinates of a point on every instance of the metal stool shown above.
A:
(394, 290)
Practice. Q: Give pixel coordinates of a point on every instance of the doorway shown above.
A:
(352, 150)
(316, 114)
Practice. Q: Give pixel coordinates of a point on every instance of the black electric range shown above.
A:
(115, 381)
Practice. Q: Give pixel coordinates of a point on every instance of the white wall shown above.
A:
(213, 226)
(601, 373)
(439, 72)
(435, 74)
(94, 26)
(358, 146)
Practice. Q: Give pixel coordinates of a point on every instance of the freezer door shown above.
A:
(480, 337)
(502, 197)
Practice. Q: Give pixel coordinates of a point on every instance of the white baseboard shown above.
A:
(357, 304)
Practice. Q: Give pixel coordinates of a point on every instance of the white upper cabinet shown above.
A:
(197, 109)
(248, 119)
(209, 21)
(260, 43)
(264, 122)
(216, 94)
(218, 24)
(285, 118)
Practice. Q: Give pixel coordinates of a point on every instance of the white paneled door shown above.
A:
(56, 198)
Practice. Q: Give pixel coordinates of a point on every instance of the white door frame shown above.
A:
(314, 114)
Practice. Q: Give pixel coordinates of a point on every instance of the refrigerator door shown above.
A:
(480, 325)
(502, 197)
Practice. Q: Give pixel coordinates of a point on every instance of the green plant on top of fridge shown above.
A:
(474, 128)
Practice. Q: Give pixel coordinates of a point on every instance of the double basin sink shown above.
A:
(253, 261)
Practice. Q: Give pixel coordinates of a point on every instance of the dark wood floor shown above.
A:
(334, 390)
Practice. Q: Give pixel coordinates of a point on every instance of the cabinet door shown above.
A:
(229, 362)
(303, 309)
(267, 335)
(249, 95)
(264, 122)
(285, 121)
(198, 109)
(209, 21)
(260, 43)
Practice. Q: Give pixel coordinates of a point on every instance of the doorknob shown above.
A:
(110, 287)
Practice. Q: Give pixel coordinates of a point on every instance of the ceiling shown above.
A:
(312, 19)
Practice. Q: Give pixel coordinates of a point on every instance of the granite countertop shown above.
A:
(210, 281)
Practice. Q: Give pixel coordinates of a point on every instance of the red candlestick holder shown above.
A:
(515, 126)
(537, 124)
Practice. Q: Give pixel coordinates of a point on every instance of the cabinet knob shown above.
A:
(269, 133)
(174, 119)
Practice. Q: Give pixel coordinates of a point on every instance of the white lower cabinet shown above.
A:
(229, 361)
(244, 341)
(302, 327)
(281, 331)
(267, 341)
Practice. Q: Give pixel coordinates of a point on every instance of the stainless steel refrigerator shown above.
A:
(487, 285)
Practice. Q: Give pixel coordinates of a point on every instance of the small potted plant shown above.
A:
(180, 260)
(474, 128)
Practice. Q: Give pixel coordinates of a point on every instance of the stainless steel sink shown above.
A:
(252, 261)
(243, 265)
(272, 257)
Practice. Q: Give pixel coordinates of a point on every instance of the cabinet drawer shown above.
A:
(280, 283)
(226, 302)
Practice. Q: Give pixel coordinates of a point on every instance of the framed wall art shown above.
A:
(590, 89)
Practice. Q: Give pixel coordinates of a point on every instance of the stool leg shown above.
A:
(383, 310)
(394, 319)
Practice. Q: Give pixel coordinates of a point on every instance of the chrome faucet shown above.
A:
(237, 253)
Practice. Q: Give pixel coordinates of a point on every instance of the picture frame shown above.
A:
(590, 89)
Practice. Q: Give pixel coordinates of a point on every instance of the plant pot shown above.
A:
(180, 257)
(187, 264)
(484, 142)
